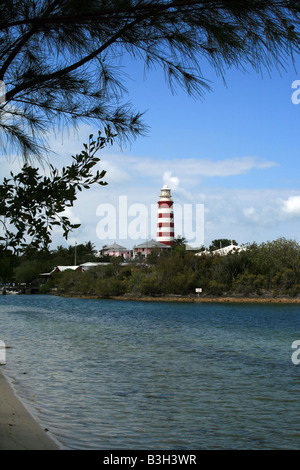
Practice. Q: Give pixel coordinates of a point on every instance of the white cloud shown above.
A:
(191, 169)
(250, 214)
(291, 206)
(180, 173)
(7, 165)
(171, 181)
(223, 168)
(129, 173)
(115, 172)
(69, 212)
(174, 184)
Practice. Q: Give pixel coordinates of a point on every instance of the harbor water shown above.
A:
(106, 374)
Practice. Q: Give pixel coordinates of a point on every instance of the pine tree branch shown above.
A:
(52, 66)
(23, 40)
(84, 18)
(71, 68)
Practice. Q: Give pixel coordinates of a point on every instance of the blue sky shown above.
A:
(236, 153)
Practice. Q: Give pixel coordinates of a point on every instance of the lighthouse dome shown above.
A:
(165, 193)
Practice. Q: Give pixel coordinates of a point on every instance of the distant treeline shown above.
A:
(271, 267)
(27, 267)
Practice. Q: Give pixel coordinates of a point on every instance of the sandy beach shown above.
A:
(179, 298)
(182, 298)
(18, 429)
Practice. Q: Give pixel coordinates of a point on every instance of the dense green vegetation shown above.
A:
(27, 267)
(269, 268)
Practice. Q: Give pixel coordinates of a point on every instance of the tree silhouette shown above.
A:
(61, 59)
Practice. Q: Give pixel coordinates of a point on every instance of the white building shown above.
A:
(223, 251)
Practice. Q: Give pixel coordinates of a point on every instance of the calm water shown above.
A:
(132, 375)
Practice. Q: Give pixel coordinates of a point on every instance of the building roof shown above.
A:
(205, 252)
(152, 244)
(60, 268)
(192, 248)
(222, 251)
(64, 268)
(114, 247)
(90, 263)
(227, 249)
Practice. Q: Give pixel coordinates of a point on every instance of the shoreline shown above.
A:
(179, 298)
(18, 428)
(212, 299)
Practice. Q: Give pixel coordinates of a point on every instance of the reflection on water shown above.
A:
(133, 375)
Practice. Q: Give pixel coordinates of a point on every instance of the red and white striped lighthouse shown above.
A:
(165, 217)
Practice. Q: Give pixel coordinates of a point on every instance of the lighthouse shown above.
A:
(165, 217)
